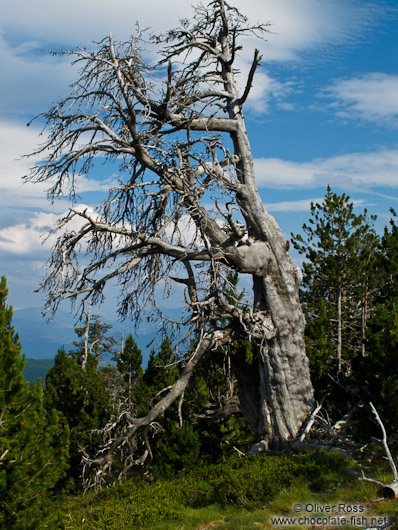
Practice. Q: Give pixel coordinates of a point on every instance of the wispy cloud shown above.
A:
(302, 205)
(297, 25)
(267, 91)
(35, 78)
(291, 206)
(17, 140)
(353, 171)
(34, 237)
(371, 97)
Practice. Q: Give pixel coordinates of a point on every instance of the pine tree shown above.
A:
(377, 374)
(33, 447)
(99, 343)
(176, 446)
(129, 363)
(216, 409)
(338, 286)
(209, 424)
(156, 377)
(83, 403)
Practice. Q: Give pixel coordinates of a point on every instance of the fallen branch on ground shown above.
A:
(387, 491)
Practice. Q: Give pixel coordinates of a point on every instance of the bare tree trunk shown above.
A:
(339, 330)
(130, 386)
(276, 395)
(175, 143)
(286, 395)
(364, 323)
(86, 333)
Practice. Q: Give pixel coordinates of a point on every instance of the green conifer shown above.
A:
(377, 373)
(177, 446)
(83, 403)
(338, 285)
(33, 447)
(129, 365)
(161, 371)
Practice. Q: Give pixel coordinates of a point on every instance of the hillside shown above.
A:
(40, 338)
(255, 492)
(36, 368)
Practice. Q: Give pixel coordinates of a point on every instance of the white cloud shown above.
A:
(17, 140)
(350, 171)
(34, 238)
(266, 90)
(35, 78)
(27, 238)
(290, 206)
(77, 23)
(301, 206)
(297, 24)
(185, 229)
(371, 97)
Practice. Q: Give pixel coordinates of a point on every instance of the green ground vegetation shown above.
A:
(241, 493)
(195, 478)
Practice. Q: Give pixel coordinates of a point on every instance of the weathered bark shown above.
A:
(170, 139)
(339, 350)
(285, 388)
(276, 394)
(388, 491)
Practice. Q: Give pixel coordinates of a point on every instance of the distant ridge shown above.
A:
(36, 368)
(41, 339)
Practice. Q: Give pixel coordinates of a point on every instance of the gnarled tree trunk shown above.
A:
(182, 143)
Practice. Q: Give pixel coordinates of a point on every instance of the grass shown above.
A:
(241, 494)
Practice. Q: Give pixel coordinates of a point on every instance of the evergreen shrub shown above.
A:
(249, 482)
(253, 480)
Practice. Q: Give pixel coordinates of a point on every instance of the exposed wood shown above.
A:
(309, 424)
(388, 491)
(86, 334)
(180, 135)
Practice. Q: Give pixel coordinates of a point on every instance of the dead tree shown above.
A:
(388, 491)
(186, 209)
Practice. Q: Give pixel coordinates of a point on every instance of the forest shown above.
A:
(197, 447)
(266, 396)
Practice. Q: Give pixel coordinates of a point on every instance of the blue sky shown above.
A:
(323, 110)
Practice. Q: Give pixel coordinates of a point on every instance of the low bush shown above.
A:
(256, 479)
(250, 482)
(127, 506)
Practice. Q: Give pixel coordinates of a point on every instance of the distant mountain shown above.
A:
(40, 338)
(36, 368)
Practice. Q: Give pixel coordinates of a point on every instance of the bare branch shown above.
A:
(177, 130)
(388, 491)
(208, 342)
(86, 332)
(309, 425)
(256, 62)
(385, 444)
